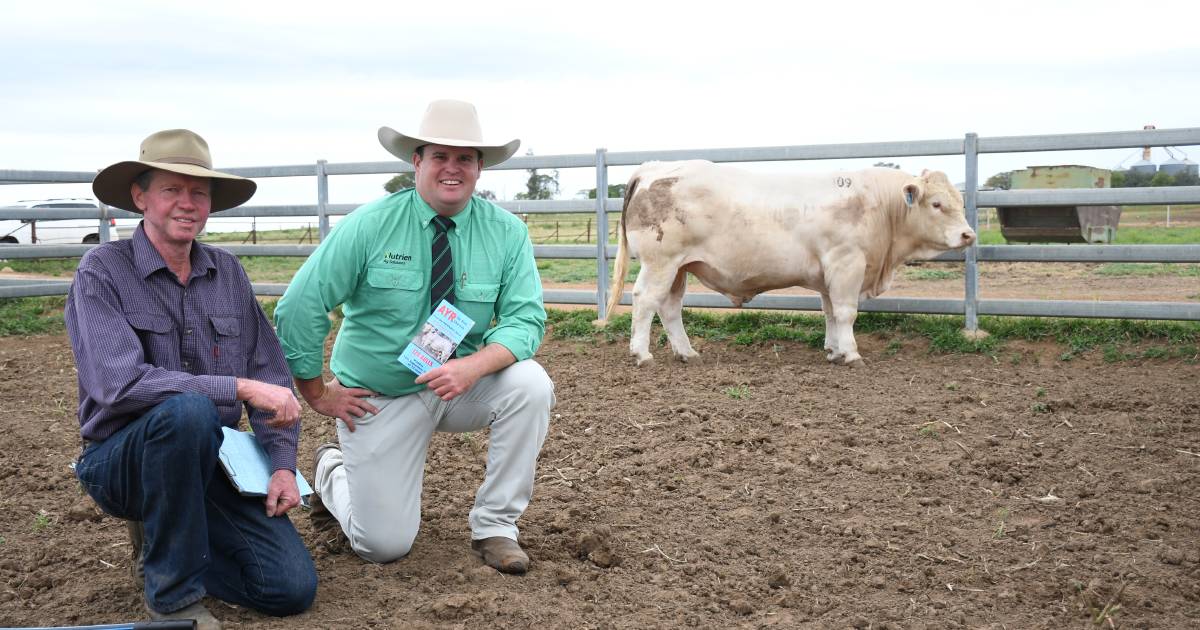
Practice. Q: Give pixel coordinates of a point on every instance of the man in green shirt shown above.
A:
(388, 265)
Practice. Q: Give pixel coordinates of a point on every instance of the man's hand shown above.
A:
(273, 399)
(453, 378)
(458, 375)
(333, 400)
(282, 493)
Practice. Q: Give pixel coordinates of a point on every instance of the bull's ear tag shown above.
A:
(908, 197)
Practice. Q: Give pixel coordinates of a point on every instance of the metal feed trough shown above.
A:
(1059, 224)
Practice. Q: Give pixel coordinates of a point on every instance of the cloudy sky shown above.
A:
(270, 83)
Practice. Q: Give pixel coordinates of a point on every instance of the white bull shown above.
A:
(842, 234)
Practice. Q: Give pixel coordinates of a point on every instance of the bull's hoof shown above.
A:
(599, 323)
(857, 363)
(645, 361)
(693, 357)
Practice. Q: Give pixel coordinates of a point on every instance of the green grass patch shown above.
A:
(1127, 235)
(577, 271)
(281, 269)
(272, 269)
(738, 392)
(1158, 235)
(1001, 523)
(1147, 270)
(40, 522)
(990, 237)
(1116, 338)
(916, 273)
(32, 316)
(58, 267)
(296, 236)
(44, 315)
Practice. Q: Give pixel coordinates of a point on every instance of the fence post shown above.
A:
(971, 268)
(601, 229)
(106, 236)
(322, 200)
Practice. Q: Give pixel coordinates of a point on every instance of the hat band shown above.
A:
(183, 159)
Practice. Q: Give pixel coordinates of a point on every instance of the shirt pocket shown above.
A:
(397, 295)
(403, 279)
(160, 343)
(478, 301)
(228, 352)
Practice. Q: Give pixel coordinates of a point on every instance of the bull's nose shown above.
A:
(968, 237)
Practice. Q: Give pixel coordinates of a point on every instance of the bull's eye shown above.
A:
(937, 204)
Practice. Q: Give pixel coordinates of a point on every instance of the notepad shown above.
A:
(248, 466)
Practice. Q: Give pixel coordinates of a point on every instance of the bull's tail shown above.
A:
(616, 285)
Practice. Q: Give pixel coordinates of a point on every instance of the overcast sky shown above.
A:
(269, 83)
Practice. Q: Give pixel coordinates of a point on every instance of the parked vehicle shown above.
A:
(60, 231)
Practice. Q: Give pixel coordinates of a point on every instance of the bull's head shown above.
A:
(935, 214)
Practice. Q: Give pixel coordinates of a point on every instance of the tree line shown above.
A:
(1118, 179)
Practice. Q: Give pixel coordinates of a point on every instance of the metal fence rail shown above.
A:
(970, 146)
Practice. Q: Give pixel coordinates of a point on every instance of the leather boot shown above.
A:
(197, 612)
(502, 554)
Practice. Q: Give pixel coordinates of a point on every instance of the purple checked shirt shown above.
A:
(140, 337)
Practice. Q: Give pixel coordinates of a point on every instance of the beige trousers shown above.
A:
(373, 485)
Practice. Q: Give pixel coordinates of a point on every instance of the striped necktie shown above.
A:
(441, 275)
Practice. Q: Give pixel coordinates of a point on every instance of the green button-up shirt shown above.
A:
(376, 263)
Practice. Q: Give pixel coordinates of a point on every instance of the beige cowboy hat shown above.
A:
(450, 123)
(178, 151)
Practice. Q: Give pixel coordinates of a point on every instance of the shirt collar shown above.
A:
(427, 213)
(147, 260)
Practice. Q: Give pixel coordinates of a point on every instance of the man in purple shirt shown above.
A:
(170, 345)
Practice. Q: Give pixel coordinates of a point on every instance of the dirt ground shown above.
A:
(761, 487)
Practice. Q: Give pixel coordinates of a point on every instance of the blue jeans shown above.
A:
(201, 536)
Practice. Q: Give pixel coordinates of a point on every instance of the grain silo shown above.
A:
(1144, 165)
(1176, 166)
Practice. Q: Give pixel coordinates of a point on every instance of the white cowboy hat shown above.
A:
(178, 151)
(449, 123)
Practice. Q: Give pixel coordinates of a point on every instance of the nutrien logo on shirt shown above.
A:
(396, 259)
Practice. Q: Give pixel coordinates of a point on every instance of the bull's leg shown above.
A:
(843, 300)
(830, 327)
(672, 319)
(649, 294)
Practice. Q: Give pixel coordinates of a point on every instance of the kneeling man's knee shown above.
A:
(380, 549)
(293, 594)
(535, 384)
(186, 419)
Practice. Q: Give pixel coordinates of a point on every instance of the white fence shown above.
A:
(970, 147)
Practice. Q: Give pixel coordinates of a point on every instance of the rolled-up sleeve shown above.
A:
(520, 313)
(323, 282)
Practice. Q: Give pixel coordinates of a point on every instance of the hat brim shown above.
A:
(112, 185)
(403, 146)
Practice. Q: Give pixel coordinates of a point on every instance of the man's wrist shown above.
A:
(311, 388)
(243, 386)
